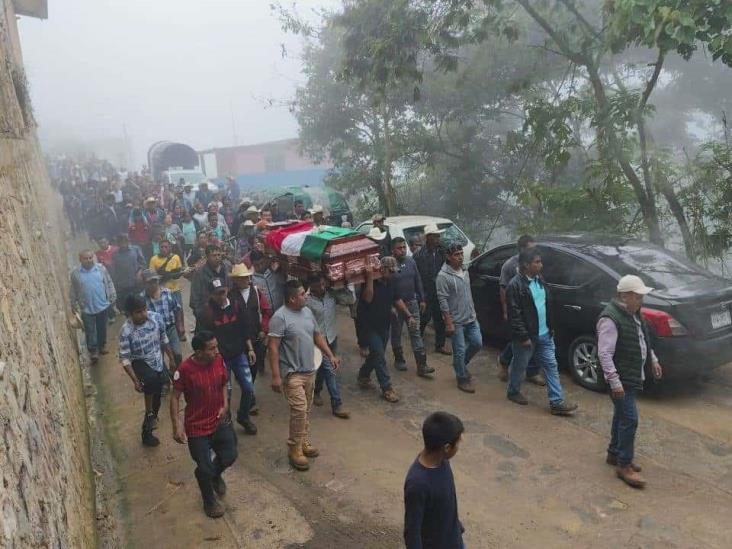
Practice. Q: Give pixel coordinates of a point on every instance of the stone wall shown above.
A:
(47, 495)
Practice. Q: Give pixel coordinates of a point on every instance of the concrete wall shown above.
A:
(46, 497)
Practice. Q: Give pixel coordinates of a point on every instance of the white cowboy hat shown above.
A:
(317, 357)
(240, 270)
(432, 229)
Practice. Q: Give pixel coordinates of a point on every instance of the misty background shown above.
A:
(195, 71)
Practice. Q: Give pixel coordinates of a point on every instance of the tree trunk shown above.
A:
(390, 201)
(677, 210)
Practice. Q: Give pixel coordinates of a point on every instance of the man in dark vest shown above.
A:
(624, 350)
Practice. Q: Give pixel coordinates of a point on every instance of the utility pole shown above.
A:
(233, 124)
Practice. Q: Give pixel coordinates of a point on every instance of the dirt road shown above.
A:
(524, 477)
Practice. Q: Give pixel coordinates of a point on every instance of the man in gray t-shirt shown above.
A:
(293, 336)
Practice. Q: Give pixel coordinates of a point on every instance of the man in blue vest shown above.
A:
(624, 350)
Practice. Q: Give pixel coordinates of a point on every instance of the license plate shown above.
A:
(721, 319)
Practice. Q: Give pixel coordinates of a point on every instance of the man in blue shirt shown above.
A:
(92, 294)
(531, 334)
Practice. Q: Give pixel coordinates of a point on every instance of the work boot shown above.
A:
(213, 509)
(309, 450)
(390, 395)
(466, 385)
(219, 486)
(422, 369)
(296, 458)
(562, 408)
(613, 460)
(518, 398)
(148, 439)
(399, 362)
(630, 477)
(249, 427)
(211, 505)
(338, 411)
(317, 400)
(536, 379)
(364, 382)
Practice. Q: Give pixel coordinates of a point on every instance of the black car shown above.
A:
(690, 311)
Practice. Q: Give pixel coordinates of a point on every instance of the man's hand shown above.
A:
(363, 351)
(505, 316)
(449, 328)
(179, 434)
(618, 393)
(422, 307)
(412, 322)
(251, 355)
(335, 362)
(657, 370)
(139, 387)
(526, 343)
(277, 384)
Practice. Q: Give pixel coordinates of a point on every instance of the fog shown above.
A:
(197, 71)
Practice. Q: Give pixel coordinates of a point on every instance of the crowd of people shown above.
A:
(249, 312)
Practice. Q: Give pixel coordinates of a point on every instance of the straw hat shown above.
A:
(240, 270)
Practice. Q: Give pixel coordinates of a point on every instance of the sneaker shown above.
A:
(254, 410)
(563, 408)
(219, 486)
(424, 371)
(613, 460)
(364, 382)
(390, 395)
(317, 399)
(213, 509)
(341, 413)
(630, 477)
(443, 351)
(536, 379)
(466, 386)
(249, 427)
(150, 440)
(518, 398)
(400, 365)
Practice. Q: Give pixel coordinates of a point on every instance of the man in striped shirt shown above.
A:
(142, 342)
(162, 301)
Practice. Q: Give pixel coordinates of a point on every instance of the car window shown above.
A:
(563, 269)
(658, 268)
(452, 233)
(490, 264)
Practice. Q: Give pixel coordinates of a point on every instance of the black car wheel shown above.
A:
(584, 364)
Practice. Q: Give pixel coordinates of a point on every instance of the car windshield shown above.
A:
(451, 234)
(657, 267)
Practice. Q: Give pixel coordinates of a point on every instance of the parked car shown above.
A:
(689, 312)
(409, 226)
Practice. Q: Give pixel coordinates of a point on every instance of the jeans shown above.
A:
(327, 375)
(625, 424)
(239, 366)
(466, 342)
(433, 313)
(174, 343)
(298, 390)
(543, 352)
(95, 330)
(223, 443)
(505, 359)
(415, 336)
(376, 343)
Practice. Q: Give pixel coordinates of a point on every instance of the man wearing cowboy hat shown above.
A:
(258, 311)
(379, 237)
(624, 350)
(318, 215)
(430, 258)
(379, 222)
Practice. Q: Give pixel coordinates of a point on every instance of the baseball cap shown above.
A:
(216, 285)
(634, 284)
(150, 274)
(390, 263)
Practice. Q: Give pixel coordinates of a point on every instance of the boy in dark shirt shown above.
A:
(430, 503)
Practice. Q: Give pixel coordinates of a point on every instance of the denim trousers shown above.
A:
(239, 366)
(466, 342)
(505, 359)
(625, 424)
(223, 444)
(327, 376)
(174, 343)
(95, 330)
(433, 313)
(415, 335)
(543, 351)
(376, 360)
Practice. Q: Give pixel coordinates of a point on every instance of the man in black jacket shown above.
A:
(430, 258)
(531, 333)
